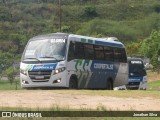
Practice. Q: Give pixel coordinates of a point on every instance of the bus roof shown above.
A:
(96, 41)
(50, 35)
(110, 41)
(134, 59)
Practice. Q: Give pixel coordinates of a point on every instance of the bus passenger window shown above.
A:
(99, 54)
(109, 56)
(120, 55)
(117, 55)
(89, 51)
(124, 56)
(79, 50)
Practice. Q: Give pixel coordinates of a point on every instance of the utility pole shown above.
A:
(59, 15)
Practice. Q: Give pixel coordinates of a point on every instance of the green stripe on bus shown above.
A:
(83, 40)
(78, 63)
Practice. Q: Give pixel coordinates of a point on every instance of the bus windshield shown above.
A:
(45, 49)
(136, 69)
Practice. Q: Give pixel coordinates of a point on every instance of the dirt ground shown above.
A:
(67, 100)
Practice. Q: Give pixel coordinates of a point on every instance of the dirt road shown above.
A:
(65, 99)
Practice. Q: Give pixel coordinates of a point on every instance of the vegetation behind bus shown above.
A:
(151, 49)
(21, 20)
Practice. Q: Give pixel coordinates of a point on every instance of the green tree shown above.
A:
(151, 48)
(133, 49)
(89, 12)
(11, 73)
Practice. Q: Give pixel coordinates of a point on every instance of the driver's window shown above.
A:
(71, 51)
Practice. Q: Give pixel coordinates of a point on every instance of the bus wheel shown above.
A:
(109, 85)
(73, 84)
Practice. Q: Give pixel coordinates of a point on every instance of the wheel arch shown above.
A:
(74, 77)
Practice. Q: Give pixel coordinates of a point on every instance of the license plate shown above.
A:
(39, 77)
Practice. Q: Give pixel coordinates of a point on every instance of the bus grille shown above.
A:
(40, 76)
(134, 83)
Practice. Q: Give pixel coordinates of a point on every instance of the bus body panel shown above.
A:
(94, 74)
(122, 75)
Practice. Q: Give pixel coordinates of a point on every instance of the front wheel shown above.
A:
(73, 84)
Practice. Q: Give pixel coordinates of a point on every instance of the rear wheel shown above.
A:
(109, 85)
(73, 84)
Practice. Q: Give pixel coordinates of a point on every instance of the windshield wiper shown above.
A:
(49, 57)
(33, 58)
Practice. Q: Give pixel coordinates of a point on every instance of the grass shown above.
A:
(152, 76)
(119, 93)
(154, 85)
(6, 85)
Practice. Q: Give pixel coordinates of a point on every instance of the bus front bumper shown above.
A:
(140, 86)
(59, 80)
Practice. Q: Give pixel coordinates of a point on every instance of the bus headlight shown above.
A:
(59, 70)
(23, 72)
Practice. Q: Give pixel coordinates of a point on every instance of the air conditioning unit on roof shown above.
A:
(112, 39)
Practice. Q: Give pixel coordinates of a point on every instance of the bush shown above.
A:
(11, 73)
(156, 7)
(89, 12)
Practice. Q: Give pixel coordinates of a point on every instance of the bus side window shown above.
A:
(108, 51)
(99, 53)
(89, 51)
(71, 51)
(120, 55)
(124, 56)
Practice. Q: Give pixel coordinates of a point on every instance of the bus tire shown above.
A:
(109, 85)
(73, 84)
